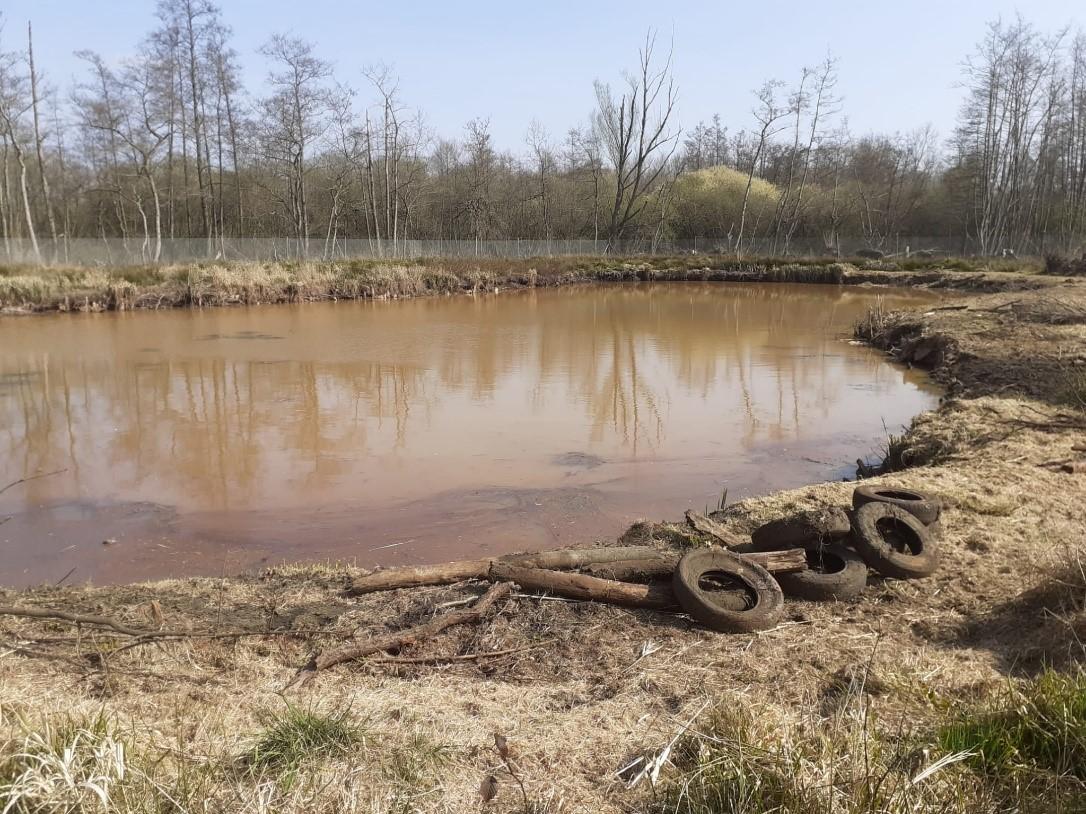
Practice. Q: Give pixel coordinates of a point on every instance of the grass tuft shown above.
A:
(295, 737)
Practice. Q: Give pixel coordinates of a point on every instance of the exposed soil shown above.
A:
(581, 694)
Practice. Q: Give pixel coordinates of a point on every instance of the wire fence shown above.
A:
(115, 251)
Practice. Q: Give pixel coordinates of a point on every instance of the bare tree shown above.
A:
(767, 113)
(295, 117)
(39, 139)
(542, 157)
(1008, 113)
(636, 133)
(14, 104)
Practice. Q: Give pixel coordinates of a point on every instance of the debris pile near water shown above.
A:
(735, 585)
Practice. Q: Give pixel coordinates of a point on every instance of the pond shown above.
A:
(210, 442)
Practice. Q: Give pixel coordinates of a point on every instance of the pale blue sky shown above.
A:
(511, 62)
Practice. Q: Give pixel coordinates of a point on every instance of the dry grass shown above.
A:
(1023, 753)
(837, 709)
(29, 289)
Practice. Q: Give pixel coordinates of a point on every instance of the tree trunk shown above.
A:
(43, 181)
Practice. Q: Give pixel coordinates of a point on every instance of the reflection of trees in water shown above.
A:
(213, 425)
(621, 397)
(624, 353)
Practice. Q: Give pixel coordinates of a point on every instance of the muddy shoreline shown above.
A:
(579, 692)
(32, 291)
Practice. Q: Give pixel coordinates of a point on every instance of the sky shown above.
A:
(511, 62)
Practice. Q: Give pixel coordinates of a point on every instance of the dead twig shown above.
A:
(83, 619)
(465, 657)
(701, 523)
(400, 639)
(30, 478)
(12, 647)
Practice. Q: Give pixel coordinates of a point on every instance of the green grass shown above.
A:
(1040, 726)
(732, 766)
(295, 737)
(1024, 752)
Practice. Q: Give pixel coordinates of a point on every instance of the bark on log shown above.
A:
(579, 557)
(635, 570)
(396, 641)
(581, 586)
(787, 561)
(708, 526)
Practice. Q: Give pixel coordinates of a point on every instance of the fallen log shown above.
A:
(447, 573)
(389, 579)
(400, 639)
(584, 587)
(708, 526)
(627, 560)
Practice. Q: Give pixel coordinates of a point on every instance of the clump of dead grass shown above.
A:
(72, 764)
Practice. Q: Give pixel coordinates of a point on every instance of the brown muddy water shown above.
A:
(210, 442)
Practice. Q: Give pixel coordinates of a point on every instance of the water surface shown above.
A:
(207, 442)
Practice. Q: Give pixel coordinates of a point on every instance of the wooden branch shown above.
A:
(583, 587)
(31, 477)
(465, 657)
(708, 526)
(390, 579)
(400, 639)
(447, 573)
(81, 619)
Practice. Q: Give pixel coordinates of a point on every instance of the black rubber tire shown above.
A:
(768, 607)
(923, 507)
(894, 542)
(846, 581)
(820, 525)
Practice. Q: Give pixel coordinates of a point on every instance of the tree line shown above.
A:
(170, 144)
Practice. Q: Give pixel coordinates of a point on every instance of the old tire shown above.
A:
(834, 572)
(923, 507)
(894, 542)
(821, 525)
(765, 601)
